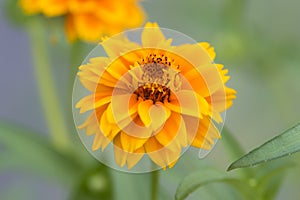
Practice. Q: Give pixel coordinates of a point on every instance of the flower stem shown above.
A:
(46, 85)
(235, 150)
(154, 184)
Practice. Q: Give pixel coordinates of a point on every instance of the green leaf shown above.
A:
(272, 178)
(27, 151)
(282, 145)
(198, 179)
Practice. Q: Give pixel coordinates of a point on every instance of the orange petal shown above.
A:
(88, 26)
(189, 103)
(70, 28)
(117, 69)
(173, 135)
(206, 134)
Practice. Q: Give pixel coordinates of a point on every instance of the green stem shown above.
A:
(75, 60)
(235, 150)
(46, 85)
(154, 184)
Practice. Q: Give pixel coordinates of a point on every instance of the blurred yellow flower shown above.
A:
(89, 20)
(153, 98)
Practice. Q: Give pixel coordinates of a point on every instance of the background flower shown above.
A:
(89, 20)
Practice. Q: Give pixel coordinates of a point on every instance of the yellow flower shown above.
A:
(153, 98)
(89, 20)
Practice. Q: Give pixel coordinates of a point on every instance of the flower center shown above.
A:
(154, 92)
(158, 78)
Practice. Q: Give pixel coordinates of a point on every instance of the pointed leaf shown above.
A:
(282, 145)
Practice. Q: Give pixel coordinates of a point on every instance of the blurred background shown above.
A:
(258, 41)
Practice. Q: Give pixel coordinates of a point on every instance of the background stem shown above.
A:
(46, 85)
(154, 184)
(235, 150)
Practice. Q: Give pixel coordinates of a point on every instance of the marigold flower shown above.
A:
(89, 20)
(153, 98)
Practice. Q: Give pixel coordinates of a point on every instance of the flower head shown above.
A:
(153, 98)
(89, 20)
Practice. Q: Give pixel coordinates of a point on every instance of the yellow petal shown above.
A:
(122, 157)
(223, 72)
(109, 130)
(161, 155)
(133, 158)
(130, 143)
(92, 122)
(194, 54)
(99, 140)
(209, 49)
(30, 7)
(222, 99)
(53, 8)
(152, 35)
(120, 154)
(92, 101)
(118, 45)
(96, 65)
(159, 115)
(143, 110)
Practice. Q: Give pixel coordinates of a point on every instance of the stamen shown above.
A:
(159, 77)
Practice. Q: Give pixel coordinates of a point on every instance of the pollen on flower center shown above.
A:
(158, 78)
